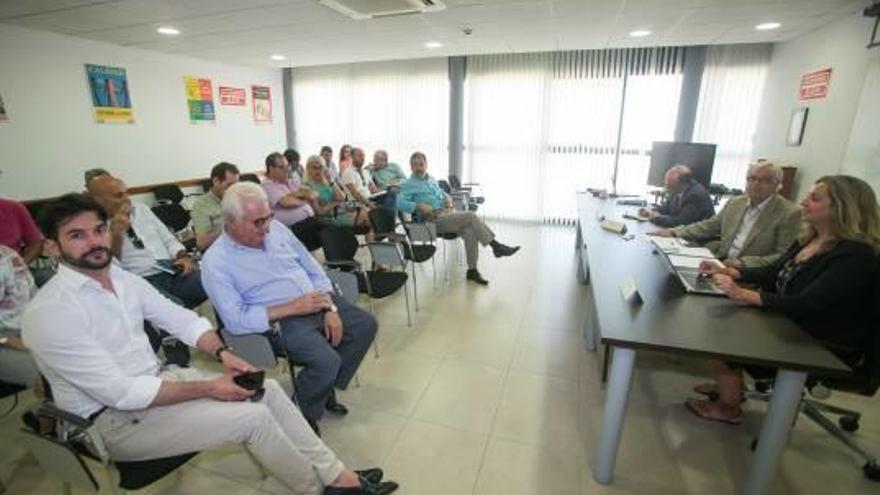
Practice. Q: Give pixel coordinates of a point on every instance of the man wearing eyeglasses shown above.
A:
(751, 230)
(258, 274)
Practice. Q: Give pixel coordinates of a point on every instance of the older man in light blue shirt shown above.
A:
(258, 272)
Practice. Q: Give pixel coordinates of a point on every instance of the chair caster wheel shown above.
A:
(872, 471)
(848, 423)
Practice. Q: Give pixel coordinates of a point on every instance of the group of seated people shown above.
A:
(817, 264)
(126, 286)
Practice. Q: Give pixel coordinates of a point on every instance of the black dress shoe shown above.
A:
(474, 276)
(500, 250)
(335, 407)
(366, 488)
(373, 475)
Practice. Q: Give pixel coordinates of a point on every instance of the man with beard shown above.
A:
(85, 330)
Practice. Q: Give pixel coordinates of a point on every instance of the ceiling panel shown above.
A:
(246, 32)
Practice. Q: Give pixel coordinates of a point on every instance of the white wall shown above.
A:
(840, 46)
(863, 153)
(52, 137)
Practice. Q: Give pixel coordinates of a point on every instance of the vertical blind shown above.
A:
(730, 100)
(399, 106)
(540, 126)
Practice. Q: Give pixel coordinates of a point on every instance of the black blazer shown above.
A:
(695, 205)
(831, 297)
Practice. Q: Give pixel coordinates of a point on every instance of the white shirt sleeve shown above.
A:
(350, 176)
(59, 337)
(183, 323)
(172, 245)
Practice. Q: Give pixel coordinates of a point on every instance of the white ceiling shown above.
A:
(247, 32)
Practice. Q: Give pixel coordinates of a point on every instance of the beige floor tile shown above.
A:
(363, 437)
(462, 395)
(394, 383)
(540, 410)
(548, 352)
(511, 468)
(431, 459)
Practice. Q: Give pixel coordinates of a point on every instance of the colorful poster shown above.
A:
(200, 99)
(234, 97)
(814, 85)
(110, 98)
(261, 98)
(3, 116)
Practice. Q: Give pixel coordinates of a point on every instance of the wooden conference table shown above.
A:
(669, 320)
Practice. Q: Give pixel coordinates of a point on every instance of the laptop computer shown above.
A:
(691, 279)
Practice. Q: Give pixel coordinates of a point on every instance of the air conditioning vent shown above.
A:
(369, 9)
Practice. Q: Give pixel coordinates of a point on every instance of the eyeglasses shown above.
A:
(262, 221)
(763, 180)
(132, 235)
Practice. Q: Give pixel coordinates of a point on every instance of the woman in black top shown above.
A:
(824, 282)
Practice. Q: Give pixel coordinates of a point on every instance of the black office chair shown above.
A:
(171, 213)
(64, 450)
(417, 244)
(340, 246)
(168, 193)
(865, 380)
(457, 185)
(461, 198)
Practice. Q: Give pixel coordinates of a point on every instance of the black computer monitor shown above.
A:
(700, 157)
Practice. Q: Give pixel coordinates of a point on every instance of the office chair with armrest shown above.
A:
(457, 185)
(249, 178)
(865, 380)
(418, 251)
(66, 449)
(169, 210)
(340, 246)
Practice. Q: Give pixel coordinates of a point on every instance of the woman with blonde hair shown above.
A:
(824, 283)
(330, 204)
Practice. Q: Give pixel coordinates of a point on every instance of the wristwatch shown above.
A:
(332, 308)
(222, 348)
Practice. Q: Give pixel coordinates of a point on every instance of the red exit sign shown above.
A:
(815, 84)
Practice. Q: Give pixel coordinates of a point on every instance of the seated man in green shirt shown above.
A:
(385, 174)
(207, 216)
(422, 197)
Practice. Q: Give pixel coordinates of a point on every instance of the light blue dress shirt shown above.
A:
(420, 190)
(243, 282)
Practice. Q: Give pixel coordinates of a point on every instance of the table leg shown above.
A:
(616, 396)
(590, 322)
(784, 405)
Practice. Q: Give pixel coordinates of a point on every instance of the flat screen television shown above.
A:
(700, 157)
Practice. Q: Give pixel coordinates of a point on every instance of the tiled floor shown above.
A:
(491, 392)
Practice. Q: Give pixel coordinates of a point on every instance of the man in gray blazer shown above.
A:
(751, 230)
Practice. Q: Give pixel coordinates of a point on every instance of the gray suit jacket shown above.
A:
(773, 232)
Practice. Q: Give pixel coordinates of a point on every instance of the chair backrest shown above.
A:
(386, 254)
(345, 283)
(454, 182)
(339, 243)
(170, 193)
(870, 369)
(421, 232)
(382, 221)
(445, 186)
(253, 348)
(206, 185)
(174, 216)
(249, 178)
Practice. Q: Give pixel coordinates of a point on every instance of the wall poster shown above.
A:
(261, 98)
(110, 97)
(199, 99)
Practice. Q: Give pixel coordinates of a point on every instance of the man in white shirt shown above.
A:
(85, 330)
(359, 184)
(144, 245)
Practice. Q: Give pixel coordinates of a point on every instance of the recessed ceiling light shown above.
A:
(433, 44)
(767, 26)
(640, 33)
(168, 31)
(278, 57)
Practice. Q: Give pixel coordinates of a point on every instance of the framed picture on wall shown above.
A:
(797, 125)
